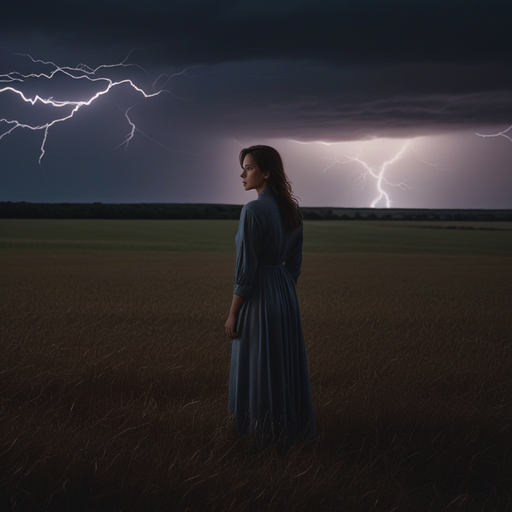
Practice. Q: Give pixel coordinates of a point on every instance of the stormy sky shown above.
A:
(338, 87)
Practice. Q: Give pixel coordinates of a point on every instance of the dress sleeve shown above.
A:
(293, 262)
(248, 248)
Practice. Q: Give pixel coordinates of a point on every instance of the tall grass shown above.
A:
(114, 374)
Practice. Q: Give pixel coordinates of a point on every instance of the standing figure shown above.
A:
(269, 392)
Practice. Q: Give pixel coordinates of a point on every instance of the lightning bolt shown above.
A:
(377, 173)
(65, 109)
(499, 134)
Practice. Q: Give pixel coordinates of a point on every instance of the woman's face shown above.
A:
(252, 176)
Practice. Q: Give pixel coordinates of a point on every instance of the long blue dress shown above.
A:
(269, 391)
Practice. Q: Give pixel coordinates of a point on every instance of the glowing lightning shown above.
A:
(377, 173)
(499, 134)
(71, 107)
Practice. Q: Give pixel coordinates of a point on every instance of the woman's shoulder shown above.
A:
(265, 203)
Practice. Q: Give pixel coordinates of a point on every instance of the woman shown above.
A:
(269, 393)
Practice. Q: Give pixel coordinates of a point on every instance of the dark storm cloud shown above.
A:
(338, 31)
(325, 102)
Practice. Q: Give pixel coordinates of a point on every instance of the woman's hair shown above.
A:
(269, 160)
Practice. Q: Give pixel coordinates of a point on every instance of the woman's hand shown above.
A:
(233, 317)
(231, 326)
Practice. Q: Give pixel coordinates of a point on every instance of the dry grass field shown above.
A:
(114, 369)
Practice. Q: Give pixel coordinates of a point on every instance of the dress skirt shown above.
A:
(269, 390)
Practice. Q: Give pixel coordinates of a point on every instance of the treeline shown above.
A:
(405, 214)
(24, 210)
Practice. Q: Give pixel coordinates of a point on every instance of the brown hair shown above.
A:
(269, 160)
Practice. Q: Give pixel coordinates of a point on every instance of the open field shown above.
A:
(114, 368)
(399, 237)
